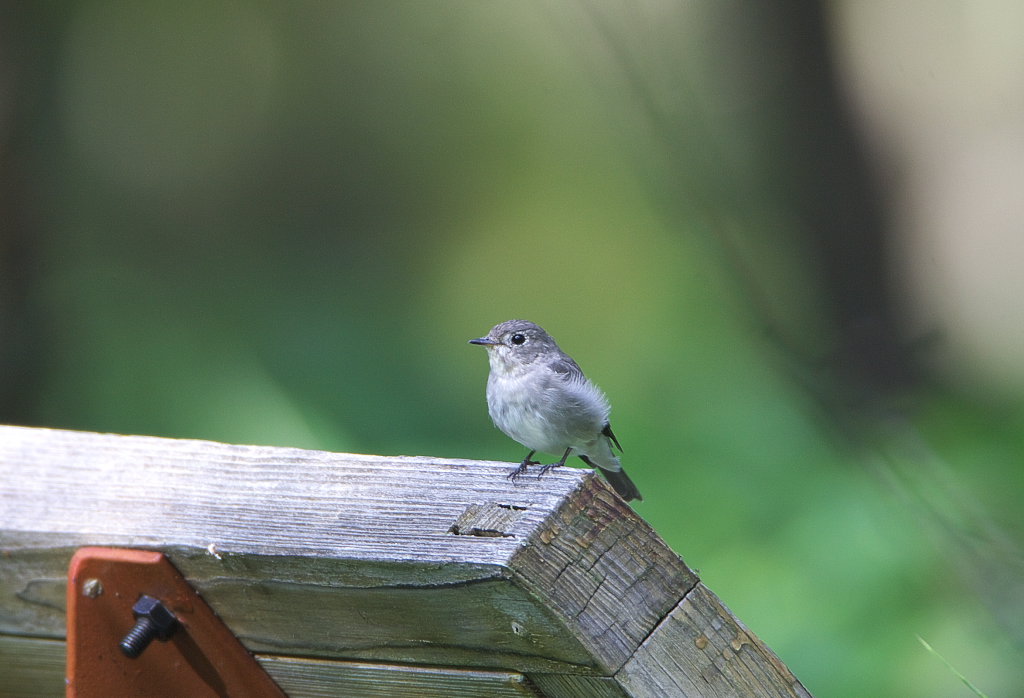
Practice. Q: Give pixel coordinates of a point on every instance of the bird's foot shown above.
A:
(548, 468)
(521, 470)
(558, 464)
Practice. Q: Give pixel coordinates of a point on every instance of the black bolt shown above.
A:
(152, 620)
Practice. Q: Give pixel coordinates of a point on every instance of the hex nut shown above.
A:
(163, 620)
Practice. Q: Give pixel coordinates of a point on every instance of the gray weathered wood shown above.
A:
(35, 667)
(701, 649)
(361, 561)
(31, 667)
(300, 677)
(577, 686)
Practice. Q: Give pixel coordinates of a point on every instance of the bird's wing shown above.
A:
(607, 431)
(567, 368)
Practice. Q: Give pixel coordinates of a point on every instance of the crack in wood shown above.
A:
(490, 520)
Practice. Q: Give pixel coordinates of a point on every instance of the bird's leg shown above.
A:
(521, 470)
(560, 463)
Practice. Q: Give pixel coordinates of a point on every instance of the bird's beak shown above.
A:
(485, 341)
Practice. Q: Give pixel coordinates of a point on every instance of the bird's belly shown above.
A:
(538, 422)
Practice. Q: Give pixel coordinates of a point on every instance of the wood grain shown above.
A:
(701, 649)
(31, 668)
(34, 667)
(333, 566)
(308, 677)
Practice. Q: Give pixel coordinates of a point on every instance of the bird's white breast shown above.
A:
(544, 410)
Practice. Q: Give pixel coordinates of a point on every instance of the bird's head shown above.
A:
(516, 343)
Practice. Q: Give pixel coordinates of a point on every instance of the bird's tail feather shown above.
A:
(618, 479)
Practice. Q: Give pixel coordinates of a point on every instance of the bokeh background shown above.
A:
(785, 237)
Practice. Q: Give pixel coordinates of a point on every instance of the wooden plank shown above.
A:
(576, 686)
(702, 650)
(300, 678)
(34, 667)
(252, 499)
(344, 556)
(31, 667)
(595, 558)
(329, 566)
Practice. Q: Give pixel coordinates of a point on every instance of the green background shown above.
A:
(280, 224)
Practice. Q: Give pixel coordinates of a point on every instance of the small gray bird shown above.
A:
(538, 395)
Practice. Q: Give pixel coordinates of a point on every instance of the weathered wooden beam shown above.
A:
(31, 667)
(367, 563)
(35, 667)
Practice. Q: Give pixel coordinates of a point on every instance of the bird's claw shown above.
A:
(521, 470)
(545, 469)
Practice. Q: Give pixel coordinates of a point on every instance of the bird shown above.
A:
(538, 396)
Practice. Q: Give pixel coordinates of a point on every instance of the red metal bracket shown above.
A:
(201, 658)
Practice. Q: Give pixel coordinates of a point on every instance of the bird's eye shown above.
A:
(517, 338)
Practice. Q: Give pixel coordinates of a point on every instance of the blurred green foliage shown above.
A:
(279, 224)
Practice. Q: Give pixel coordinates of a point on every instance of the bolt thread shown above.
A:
(138, 638)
